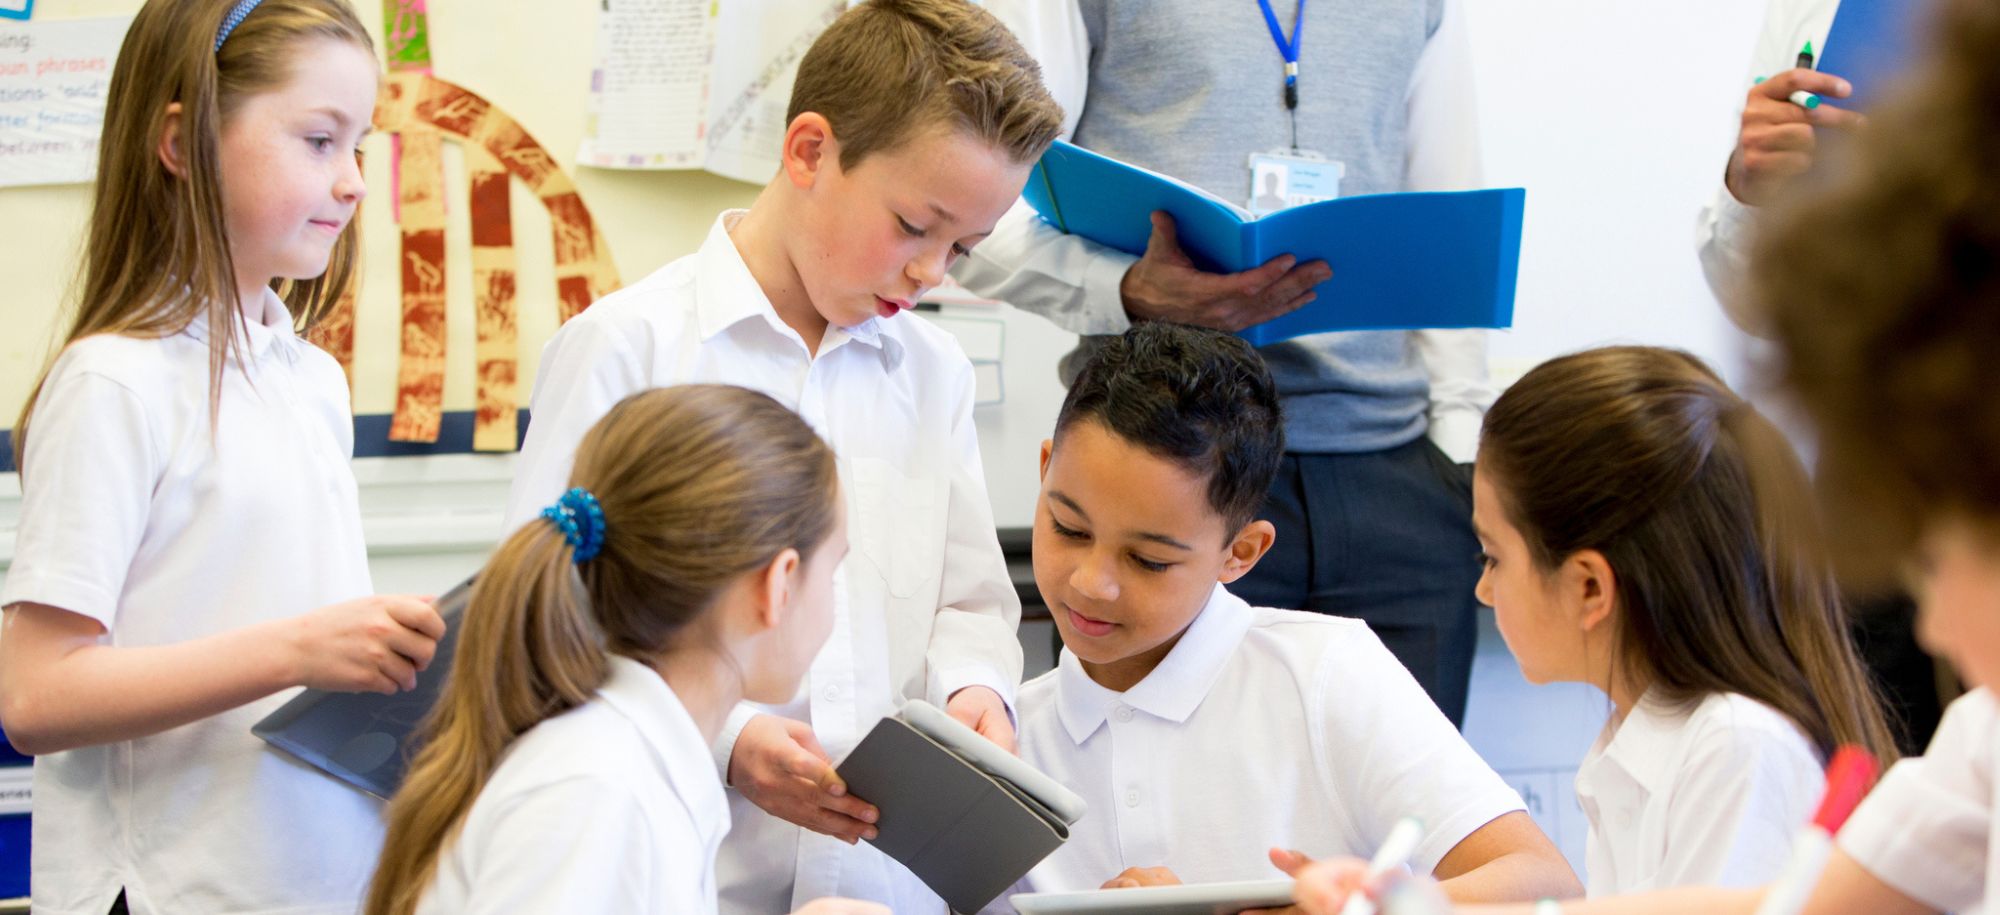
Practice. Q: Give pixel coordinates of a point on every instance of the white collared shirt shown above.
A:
(923, 606)
(610, 807)
(1708, 795)
(1260, 728)
(1722, 231)
(1928, 828)
(135, 515)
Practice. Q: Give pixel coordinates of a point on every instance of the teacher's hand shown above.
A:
(1165, 285)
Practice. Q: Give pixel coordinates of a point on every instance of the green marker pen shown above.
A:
(1802, 98)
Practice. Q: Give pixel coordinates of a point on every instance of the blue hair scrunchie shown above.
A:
(234, 19)
(581, 521)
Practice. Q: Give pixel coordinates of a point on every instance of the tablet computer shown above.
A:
(365, 739)
(1189, 899)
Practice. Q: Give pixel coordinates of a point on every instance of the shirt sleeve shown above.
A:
(973, 640)
(1723, 228)
(1026, 262)
(1444, 155)
(1387, 752)
(1737, 802)
(1926, 828)
(586, 369)
(91, 466)
(578, 845)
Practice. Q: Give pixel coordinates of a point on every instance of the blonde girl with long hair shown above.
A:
(688, 567)
(190, 543)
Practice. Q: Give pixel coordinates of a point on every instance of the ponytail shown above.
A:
(530, 650)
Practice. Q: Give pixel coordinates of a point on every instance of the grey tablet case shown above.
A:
(967, 833)
(366, 739)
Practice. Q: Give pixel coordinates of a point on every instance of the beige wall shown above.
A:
(532, 58)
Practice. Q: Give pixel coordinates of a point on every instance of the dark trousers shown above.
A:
(1387, 538)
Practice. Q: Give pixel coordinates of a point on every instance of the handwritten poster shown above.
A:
(697, 84)
(53, 79)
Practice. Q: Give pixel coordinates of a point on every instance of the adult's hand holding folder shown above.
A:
(1402, 261)
(968, 818)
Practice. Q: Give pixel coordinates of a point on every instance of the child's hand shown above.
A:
(778, 764)
(831, 906)
(1133, 877)
(370, 644)
(980, 708)
(1323, 886)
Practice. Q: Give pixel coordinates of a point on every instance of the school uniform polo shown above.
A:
(1705, 795)
(922, 606)
(137, 513)
(1260, 728)
(1928, 827)
(610, 807)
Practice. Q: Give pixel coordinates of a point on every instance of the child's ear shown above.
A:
(1593, 584)
(1249, 545)
(170, 142)
(809, 148)
(1048, 448)
(775, 586)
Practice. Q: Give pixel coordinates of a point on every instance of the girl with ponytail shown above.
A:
(1647, 532)
(567, 765)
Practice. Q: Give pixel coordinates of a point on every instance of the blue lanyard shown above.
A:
(1287, 47)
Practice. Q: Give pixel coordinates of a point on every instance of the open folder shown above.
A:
(968, 818)
(1406, 261)
(367, 739)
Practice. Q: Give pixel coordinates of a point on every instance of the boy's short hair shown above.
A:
(889, 68)
(1200, 398)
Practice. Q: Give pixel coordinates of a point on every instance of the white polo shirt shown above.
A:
(134, 515)
(1260, 728)
(1928, 828)
(612, 806)
(1708, 795)
(923, 606)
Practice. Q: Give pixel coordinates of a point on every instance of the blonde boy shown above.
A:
(913, 126)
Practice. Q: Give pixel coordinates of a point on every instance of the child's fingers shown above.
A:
(1288, 860)
(415, 647)
(837, 825)
(398, 668)
(848, 806)
(415, 614)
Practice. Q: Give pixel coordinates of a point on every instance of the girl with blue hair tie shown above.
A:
(567, 767)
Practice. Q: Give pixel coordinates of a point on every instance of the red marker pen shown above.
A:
(1848, 779)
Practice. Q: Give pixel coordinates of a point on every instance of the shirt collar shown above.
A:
(1174, 689)
(726, 295)
(269, 330)
(642, 696)
(1642, 746)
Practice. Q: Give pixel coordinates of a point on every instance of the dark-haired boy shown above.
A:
(1203, 731)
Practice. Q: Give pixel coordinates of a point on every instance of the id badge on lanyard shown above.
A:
(1289, 177)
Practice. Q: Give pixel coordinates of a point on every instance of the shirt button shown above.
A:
(1124, 713)
(831, 693)
(1132, 797)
